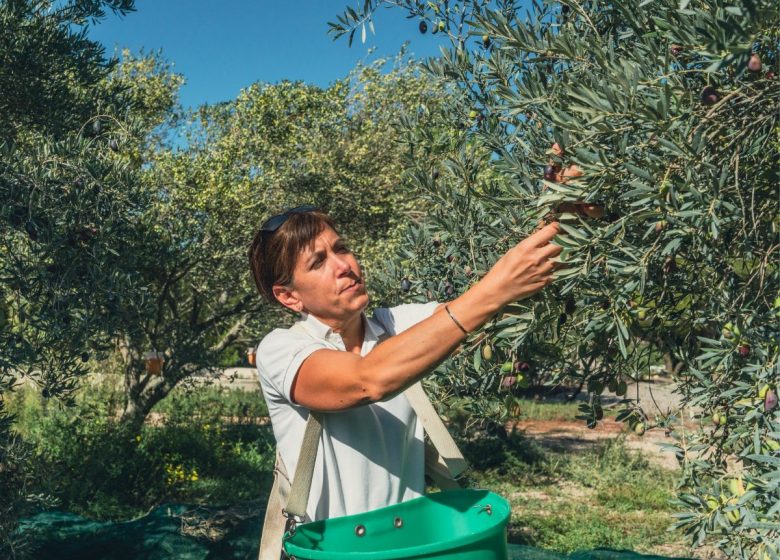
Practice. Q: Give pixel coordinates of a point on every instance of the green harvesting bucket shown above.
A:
(453, 525)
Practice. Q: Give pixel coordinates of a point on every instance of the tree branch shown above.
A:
(231, 335)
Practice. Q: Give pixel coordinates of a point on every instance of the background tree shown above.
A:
(651, 130)
(66, 212)
(274, 147)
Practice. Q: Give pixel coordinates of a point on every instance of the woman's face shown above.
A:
(327, 281)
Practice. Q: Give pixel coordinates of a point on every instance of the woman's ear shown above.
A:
(287, 297)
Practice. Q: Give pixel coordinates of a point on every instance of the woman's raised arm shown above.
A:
(331, 380)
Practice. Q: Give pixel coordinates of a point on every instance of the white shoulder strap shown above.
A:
(274, 521)
(447, 450)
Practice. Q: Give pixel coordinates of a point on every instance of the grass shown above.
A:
(547, 410)
(237, 404)
(607, 496)
(540, 410)
(208, 451)
(599, 495)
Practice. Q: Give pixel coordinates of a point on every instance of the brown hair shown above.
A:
(272, 255)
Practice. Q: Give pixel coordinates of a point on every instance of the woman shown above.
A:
(370, 454)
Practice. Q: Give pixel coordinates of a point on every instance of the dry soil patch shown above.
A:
(562, 435)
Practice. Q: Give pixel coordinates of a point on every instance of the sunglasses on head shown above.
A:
(275, 222)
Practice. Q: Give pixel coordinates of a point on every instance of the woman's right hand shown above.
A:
(524, 269)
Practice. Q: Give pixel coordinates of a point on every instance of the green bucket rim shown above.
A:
(497, 502)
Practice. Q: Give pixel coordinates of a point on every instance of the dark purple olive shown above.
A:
(562, 319)
(571, 306)
(436, 241)
(86, 233)
(743, 350)
(521, 366)
(114, 145)
(32, 230)
(85, 357)
(45, 393)
(754, 64)
(709, 95)
(435, 174)
(449, 289)
(770, 401)
(550, 172)
(676, 50)
(406, 285)
(423, 27)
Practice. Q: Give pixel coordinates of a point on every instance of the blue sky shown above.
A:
(223, 46)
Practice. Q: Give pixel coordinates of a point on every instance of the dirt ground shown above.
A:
(565, 435)
(655, 397)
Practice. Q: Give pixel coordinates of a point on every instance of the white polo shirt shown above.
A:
(369, 456)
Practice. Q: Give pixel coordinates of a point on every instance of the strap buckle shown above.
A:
(292, 522)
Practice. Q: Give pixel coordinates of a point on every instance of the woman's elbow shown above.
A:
(370, 388)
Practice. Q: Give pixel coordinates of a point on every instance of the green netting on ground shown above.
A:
(188, 533)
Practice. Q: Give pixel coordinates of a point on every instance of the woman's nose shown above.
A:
(343, 264)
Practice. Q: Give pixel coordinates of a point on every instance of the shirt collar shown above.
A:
(317, 328)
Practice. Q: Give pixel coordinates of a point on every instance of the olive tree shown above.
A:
(649, 130)
(66, 212)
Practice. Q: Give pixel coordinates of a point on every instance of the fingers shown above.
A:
(549, 266)
(549, 251)
(544, 236)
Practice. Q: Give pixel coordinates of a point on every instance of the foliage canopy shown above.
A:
(664, 177)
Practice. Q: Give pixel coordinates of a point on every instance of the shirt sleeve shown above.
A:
(279, 356)
(399, 318)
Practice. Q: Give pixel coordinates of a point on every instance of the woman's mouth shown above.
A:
(351, 287)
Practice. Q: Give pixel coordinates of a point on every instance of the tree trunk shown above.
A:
(672, 368)
(142, 393)
(133, 416)
(668, 363)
